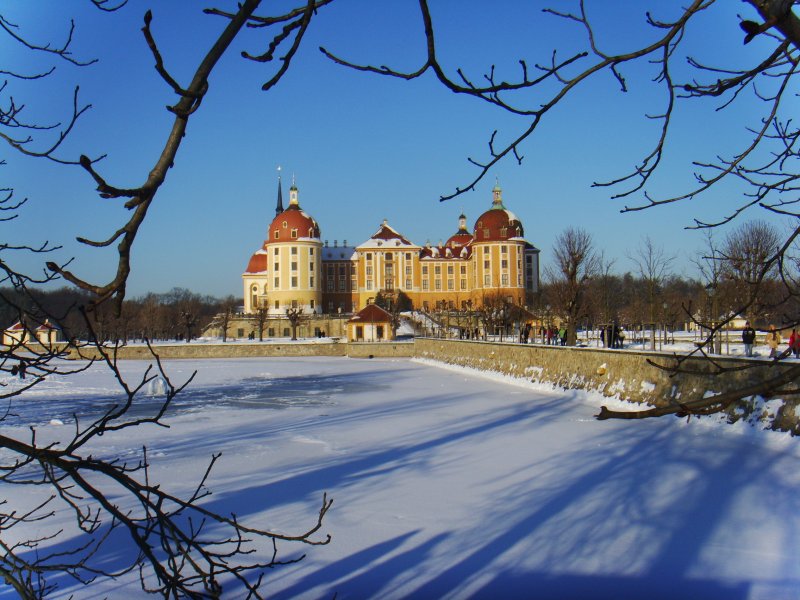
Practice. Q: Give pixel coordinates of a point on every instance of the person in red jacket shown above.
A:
(794, 343)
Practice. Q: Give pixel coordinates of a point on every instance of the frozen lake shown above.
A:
(454, 484)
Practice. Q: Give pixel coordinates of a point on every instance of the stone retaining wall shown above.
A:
(626, 375)
(298, 348)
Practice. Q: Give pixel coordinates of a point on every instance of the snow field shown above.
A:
(449, 483)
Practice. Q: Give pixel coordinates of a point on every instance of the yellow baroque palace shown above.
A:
(293, 269)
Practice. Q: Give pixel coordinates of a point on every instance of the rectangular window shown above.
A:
(424, 269)
(342, 285)
(504, 249)
(330, 285)
(408, 284)
(408, 256)
(463, 269)
(277, 305)
(388, 257)
(389, 284)
(369, 270)
(294, 251)
(277, 284)
(369, 255)
(311, 267)
(486, 265)
(342, 271)
(504, 264)
(437, 270)
(271, 332)
(487, 280)
(275, 252)
(311, 252)
(277, 267)
(312, 305)
(294, 281)
(425, 285)
(463, 284)
(437, 284)
(330, 270)
(294, 265)
(408, 269)
(451, 284)
(369, 284)
(285, 332)
(389, 270)
(311, 281)
(449, 269)
(504, 279)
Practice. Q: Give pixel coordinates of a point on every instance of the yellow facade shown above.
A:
(493, 263)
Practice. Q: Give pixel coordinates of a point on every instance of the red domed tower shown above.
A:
(498, 252)
(286, 271)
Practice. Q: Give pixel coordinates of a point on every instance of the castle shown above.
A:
(294, 269)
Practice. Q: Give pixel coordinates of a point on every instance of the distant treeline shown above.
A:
(175, 315)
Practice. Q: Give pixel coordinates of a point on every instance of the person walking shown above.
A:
(774, 340)
(748, 338)
(794, 343)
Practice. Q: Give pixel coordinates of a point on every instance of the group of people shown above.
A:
(612, 336)
(550, 335)
(19, 370)
(773, 339)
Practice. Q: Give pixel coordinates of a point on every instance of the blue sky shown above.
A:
(362, 147)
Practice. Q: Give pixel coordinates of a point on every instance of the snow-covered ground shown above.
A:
(449, 483)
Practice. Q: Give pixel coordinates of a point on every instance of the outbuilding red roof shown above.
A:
(371, 313)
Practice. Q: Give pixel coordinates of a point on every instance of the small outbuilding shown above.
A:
(16, 334)
(370, 324)
(47, 333)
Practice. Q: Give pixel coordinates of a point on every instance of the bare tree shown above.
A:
(294, 315)
(576, 263)
(261, 321)
(653, 263)
(746, 264)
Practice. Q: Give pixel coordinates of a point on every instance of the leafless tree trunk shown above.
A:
(576, 263)
(653, 263)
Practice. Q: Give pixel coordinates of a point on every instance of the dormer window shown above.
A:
(277, 234)
(285, 225)
(486, 233)
(504, 232)
(294, 234)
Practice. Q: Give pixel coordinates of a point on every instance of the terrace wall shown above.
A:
(626, 375)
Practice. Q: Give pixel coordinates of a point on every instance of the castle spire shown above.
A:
(293, 199)
(279, 207)
(497, 195)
